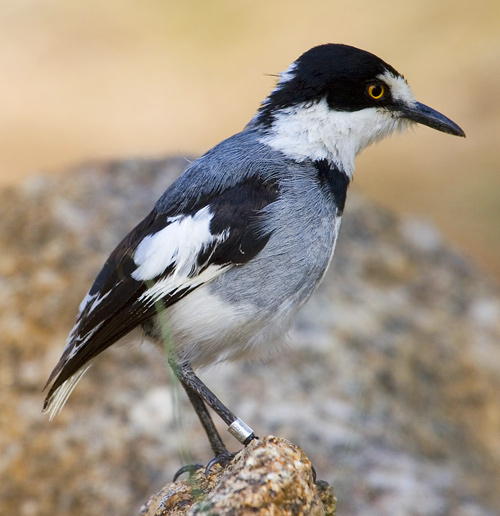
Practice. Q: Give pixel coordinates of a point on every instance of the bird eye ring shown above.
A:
(376, 91)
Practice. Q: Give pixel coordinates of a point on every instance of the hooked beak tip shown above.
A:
(422, 114)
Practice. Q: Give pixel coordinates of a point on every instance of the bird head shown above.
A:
(335, 100)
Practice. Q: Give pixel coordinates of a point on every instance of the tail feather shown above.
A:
(55, 401)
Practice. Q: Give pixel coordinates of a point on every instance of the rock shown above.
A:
(269, 476)
(390, 383)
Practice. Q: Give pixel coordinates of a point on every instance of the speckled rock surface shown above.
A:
(270, 476)
(390, 384)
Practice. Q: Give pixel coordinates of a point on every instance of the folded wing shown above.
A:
(167, 256)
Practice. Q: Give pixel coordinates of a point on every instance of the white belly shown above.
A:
(205, 329)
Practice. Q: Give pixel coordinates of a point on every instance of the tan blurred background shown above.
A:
(85, 79)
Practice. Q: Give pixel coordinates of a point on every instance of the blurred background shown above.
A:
(96, 79)
(82, 80)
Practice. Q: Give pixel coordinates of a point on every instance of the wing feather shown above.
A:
(167, 256)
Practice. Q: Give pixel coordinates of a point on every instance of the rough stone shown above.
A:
(270, 476)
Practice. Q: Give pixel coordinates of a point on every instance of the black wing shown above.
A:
(156, 265)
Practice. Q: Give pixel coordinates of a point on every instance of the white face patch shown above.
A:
(399, 87)
(178, 244)
(318, 132)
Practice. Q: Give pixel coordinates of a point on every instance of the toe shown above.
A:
(190, 468)
(222, 459)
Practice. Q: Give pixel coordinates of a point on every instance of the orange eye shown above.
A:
(376, 91)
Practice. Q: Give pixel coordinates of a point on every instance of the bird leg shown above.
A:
(205, 418)
(199, 395)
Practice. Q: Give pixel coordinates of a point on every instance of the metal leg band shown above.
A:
(241, 431)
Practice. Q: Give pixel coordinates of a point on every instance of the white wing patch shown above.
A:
(172, 284)
(178, 245)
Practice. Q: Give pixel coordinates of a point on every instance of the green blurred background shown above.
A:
(84, 79)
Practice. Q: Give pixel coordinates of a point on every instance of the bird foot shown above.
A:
(223, 459)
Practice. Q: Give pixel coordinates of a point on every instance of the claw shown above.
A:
(190, 468)
(223, 460)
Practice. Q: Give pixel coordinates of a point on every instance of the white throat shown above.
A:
(317, 132)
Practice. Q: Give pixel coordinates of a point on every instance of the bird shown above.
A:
(239, 242)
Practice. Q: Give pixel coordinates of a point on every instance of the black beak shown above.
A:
(425, 115)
